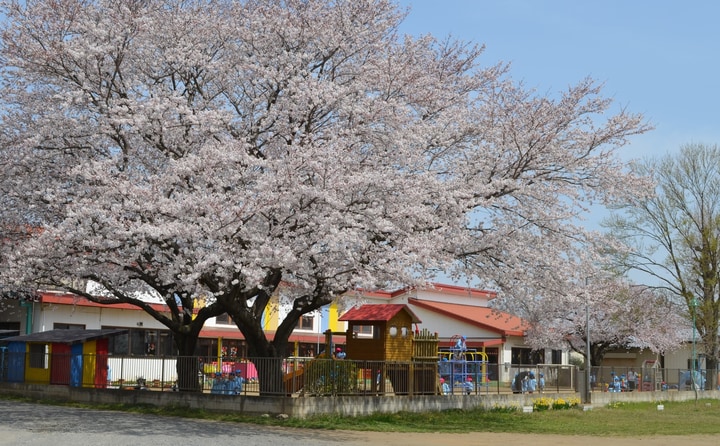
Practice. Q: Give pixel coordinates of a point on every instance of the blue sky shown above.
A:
(659, 58)
(655, 57)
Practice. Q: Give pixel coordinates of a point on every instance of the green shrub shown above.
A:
(330, 377)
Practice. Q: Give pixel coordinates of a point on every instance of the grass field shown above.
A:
(618, 420)
(631, 419)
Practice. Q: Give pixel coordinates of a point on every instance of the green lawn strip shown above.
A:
(617, 420)
(631, 419)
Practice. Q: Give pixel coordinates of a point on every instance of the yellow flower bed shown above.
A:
(546, 403)
(543, 403)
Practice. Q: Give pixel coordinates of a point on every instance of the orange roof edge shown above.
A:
(484, 317)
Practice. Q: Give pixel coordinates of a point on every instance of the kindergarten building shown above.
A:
(448, 310)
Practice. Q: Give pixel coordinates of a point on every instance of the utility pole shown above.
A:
(587, 343)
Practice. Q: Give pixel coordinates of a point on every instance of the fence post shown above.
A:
(121, 379)
(2, 363)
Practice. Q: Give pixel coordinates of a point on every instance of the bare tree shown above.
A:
(675, 237)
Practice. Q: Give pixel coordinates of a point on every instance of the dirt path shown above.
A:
(503, 439)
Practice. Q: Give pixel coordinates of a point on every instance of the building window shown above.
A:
(522, 356)
(141, 342)
(61, 326)
(165, 344)
(363, 331)
(39, 356)
(223, 319)
(137, 342)
(8, 329)
(694, 364)
(557, 356)
(232, 350)
(118, 345)
(150, 342)
(527, 356)
(306, 322)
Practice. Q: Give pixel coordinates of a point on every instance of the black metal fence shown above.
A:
(628, 379)
(540, 378)
(330, 377)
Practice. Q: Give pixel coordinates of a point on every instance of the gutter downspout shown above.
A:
(28, 316)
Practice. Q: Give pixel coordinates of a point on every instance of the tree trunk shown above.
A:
(271, 376)
(712, 375)
(188, 365)
(268, 356)
(268, 360)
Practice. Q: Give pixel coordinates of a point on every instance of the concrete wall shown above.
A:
(303, 407)
(604, 398)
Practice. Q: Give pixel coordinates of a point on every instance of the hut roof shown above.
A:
(66, 336)
(377, 313)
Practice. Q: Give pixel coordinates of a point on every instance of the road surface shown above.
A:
(30, 424)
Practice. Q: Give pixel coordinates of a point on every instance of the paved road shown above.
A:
(27, 424)
(38, 424)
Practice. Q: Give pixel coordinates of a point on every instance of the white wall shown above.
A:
(447, 327)
(130, 369)
(91, 317)
(437, 295)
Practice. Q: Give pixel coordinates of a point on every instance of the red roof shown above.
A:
(377, 312)
(473, 342)
(461, 290)
(74, 299)
(437, 287)
(483, 317)
(232, 332)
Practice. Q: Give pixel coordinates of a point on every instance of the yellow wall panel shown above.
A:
(40, 375)
(89, 363)
(333, 323)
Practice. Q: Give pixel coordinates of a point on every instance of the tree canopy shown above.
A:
(613, 312)
(675, 234)
(221, 148)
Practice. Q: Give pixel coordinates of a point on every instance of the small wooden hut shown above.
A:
(70, 357)
(382, 336)
(380, 332)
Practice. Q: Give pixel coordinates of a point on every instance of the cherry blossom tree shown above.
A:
(219, 149)
(613, 312)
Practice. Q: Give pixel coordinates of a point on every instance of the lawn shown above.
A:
(617, 420)
(621, 419)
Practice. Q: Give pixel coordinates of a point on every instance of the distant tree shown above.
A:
(675, 235)
(219, 149)
(619, 315)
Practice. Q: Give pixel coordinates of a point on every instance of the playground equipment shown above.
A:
(379, 344)
(462, 369)
(651, 376)
(692, 380)
(384, 356)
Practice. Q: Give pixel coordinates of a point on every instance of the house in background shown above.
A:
(455, 312)
(448, 310)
